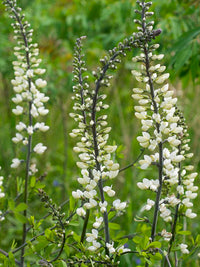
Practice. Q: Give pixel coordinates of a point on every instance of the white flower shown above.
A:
(17, 99)
(40, 83)
(21, 126)
(166, 235)
(190, 195)
(190, 214)
(29, 73)
(109, 191)
(144, 163)
(95, 246)
(30, 130)
(110, 149)
(17, 138)
(81, 212)
(121, 250)
(91, 204)
(39, 71)
(98, 222)
(103, 206)
(110, 247)
(184, 249)
(149, 205)
(41, 126)
(118, 205)
(39, 148)
(145, 184)
(92, 236)
(113, 174)
(180, 189)
(18, 110)
(82, 165)
(77, 194)
(42, 111)
(187, 203)
(145, 138)
(173, 141)
(15, 163)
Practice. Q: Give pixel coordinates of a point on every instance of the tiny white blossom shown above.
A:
(81, 212)
(118, 205)
(184, 249)
(39, 148)
(40, 83)
(15, 163)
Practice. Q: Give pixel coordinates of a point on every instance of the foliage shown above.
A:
(57, 24)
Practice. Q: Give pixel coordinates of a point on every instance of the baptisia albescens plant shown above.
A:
(29, 100)
(168, 175)
(2, 195)
(165, 139)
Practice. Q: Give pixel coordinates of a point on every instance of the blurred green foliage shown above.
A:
(57, 24)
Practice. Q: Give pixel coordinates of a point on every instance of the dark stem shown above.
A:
(132, 164)
(94, 132)
(85, 225)
(160, 145)
(41, 234)
(29, 146)
(156, 209)
(64, 236)
(7, 255)
(177, 208)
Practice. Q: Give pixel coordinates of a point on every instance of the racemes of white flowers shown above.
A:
(164, 134)
(2, 195)
(29, 99)
(95, 154)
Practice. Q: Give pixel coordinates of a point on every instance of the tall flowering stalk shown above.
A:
(28, 99)
(96, 155)
(2, 195)
(165, 137)
(96, 163)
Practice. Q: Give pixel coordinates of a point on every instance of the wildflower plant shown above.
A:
(2, 195)
(29, 100)
(94, 203)
(165, 139)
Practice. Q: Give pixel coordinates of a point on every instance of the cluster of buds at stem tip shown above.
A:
(164, 133)
(27, 84)
(96, 162)
(2, 195)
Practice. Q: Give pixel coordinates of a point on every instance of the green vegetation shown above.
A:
(57, 24)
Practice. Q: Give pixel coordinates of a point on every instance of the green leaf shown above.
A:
(154, 244)
(197, 240)
(137, 239)
(21, 218)
(31, 221)
(11, 204)
(114, 226)
(63, 264)
(181, 58)
(33, 181)
(11, 259)
(156, 256)
(42, 243)
(184, 233)
(71, 203)
(185, 39)
(49, 234)
(20, 207)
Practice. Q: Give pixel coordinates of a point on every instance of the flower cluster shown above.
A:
(164, 133)
(96, 160)
(27, 85)
(2, 195)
